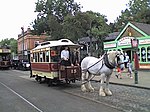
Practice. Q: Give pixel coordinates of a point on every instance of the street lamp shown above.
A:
(135, 43)
(22, 28)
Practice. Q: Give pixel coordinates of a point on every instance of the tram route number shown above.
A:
(73, 71)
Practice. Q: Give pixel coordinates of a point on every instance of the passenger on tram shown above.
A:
(74, 57)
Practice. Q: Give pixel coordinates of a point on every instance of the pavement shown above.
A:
(143, 79)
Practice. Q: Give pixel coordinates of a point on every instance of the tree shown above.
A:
(10, 42)
(137, 11)
(51, 14)
(84, 24)
(98, 28)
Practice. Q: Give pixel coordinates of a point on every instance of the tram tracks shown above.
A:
(124, 98)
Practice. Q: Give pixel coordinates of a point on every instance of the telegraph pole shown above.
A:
(22, 28)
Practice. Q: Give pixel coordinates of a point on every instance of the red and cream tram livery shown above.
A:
(45, 62)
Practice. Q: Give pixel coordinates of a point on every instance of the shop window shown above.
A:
(143, 54)
(148, 54)
(138, 54)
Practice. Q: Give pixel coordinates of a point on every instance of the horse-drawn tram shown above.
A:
(46, 62)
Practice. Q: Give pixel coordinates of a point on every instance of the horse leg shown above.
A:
(107, 91)
(89, 86)
(101, 90)
(83, 77)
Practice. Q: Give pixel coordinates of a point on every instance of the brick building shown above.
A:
(26, 42)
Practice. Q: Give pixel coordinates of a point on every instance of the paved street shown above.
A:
(19, 93)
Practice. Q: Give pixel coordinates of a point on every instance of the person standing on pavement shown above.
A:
(120, 67)
(126, 60)
(129, 66)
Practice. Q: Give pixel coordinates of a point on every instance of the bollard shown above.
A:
(136, 76)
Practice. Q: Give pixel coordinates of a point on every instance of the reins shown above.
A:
(94, 63)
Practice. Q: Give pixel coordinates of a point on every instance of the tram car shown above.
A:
(46, 62)
(5, 57)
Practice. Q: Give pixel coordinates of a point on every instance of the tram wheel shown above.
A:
(68, 81)
(50, 82)
(39, 79)
(36, 78)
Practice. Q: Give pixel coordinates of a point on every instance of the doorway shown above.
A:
(129, 53)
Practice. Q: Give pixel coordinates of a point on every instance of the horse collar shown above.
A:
(107, 63)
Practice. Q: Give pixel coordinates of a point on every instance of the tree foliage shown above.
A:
(137, 11)
(10, 42)
(51, 14)
(64, 19)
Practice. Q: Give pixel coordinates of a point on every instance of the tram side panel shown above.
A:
(43, 70)
(55, 71)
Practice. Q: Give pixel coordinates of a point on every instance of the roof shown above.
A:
(142, 26)
(86, 39)
(61, 42)
(112, 36)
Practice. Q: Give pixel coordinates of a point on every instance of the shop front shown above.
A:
(122, 42)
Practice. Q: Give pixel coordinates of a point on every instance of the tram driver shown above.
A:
(65, 57)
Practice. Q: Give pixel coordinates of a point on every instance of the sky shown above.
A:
(20, 13)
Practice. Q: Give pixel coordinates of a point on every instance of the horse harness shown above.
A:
(107, 63)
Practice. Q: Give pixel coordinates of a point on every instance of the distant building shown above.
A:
(122, 41)
(27, 42)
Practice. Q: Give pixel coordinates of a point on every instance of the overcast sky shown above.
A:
(18, 13)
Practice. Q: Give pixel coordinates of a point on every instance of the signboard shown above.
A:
(145, 41)
(110, 45)
(6, 51)
(125, 41)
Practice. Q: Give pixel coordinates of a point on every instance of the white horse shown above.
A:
(103, 66)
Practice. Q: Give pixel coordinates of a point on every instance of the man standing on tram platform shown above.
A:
(65, 57)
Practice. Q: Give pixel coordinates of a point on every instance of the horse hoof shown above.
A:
(102, 94)
(108, 92)
(83, 89)
(91, 89)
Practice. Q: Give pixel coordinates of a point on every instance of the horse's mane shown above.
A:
(112, 55)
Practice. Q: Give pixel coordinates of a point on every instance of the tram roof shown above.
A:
(61, 42)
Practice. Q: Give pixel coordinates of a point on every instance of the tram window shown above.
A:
(38, 56)
(47, 56)
(43, 56)
(54, 56)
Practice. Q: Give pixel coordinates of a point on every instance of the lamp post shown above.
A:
(22, 28)
(135, 43)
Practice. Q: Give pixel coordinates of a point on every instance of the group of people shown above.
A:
(124, 62)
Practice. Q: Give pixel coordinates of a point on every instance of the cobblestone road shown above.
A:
(128, 99)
